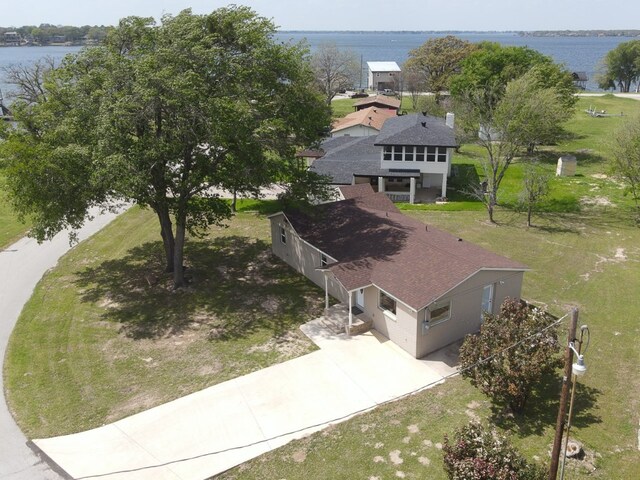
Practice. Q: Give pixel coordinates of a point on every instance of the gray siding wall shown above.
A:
(466, 303)
(302, 256)
(402, 330)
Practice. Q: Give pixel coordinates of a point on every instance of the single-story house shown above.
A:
(383, 75)
(410, 159)
(378, 101)
(421, 287)
(362, 123)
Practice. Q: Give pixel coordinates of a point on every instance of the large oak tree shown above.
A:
(159, 115)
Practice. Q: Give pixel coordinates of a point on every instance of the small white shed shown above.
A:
(566, 166)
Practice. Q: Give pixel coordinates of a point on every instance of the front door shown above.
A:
(360, 298)
(487, 301)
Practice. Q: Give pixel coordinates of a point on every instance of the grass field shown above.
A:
(103, 337)
(10, 228)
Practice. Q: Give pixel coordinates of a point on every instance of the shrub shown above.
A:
(509, 374)
(476, 453)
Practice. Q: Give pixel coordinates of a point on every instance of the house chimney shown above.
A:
(450, 119)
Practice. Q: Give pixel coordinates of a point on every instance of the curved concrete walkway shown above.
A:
(22, 265)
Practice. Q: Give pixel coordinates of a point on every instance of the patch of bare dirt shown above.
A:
(596, 202)
(424, 461)
(395, 458)
(288, 345)
(413, 428)
(619, 256)
(299, 456)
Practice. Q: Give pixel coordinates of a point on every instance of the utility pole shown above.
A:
(564, 397)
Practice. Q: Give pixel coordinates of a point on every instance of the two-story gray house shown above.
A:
(410, 159)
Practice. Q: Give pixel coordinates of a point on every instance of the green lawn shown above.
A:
(104, 336)
(10, 228)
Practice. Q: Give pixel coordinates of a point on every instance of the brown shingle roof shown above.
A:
(381, 100)
(376, 244)
(373, 117)
(355, 191)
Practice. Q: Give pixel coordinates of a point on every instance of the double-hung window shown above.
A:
(387, 304)
(283, 235)
(323, 260)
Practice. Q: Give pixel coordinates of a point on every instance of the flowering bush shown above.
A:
(476, 453)
(511, 353)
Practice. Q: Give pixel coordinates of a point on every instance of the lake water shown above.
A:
(578, 54)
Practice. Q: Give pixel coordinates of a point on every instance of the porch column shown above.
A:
(326, 296)
(444, 185)
(350, 313)
(380, 184)
(412, 190)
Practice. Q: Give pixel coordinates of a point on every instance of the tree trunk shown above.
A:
(234, 201)
(529, 210)
(490, 204)
(166, 231)
(178, 256)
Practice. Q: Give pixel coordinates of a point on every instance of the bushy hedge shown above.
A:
(477, 453)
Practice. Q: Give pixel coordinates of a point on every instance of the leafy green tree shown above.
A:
(160, 115)
(492, 66)
(621, 66)
(535, 186)
(625, 159)
(510, 355)
(437, 60)
(334, 70)
(479, 453)
(522, 116)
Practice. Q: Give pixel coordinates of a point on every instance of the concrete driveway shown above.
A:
(210, 431)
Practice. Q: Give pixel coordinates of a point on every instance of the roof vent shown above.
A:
(424, 124)
(424, 114)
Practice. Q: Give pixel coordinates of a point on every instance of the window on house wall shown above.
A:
(419, 154)
(387, 303)
(437, 313)
(283, 235)
(323, 260)
(408, 154)
(442, 154)
(397, 153)
(431, 154)
(388, 152)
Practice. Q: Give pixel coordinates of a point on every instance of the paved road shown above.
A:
(21, 267)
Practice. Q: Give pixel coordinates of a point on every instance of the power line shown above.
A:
(336, 419)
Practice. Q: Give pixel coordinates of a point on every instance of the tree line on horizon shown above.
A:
(45, 33)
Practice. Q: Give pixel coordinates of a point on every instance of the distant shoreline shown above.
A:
(522, 33)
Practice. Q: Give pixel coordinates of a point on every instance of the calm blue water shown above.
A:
(576, 53)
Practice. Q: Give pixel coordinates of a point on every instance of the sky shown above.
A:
(478, 15)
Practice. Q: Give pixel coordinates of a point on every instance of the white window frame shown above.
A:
(386, 311)
(323, 260)
(283, 235)
(428, 323)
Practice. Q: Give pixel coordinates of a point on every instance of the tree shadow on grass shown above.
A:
(541, 411)
(236, 287)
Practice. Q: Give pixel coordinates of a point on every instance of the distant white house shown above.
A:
(383, 75)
